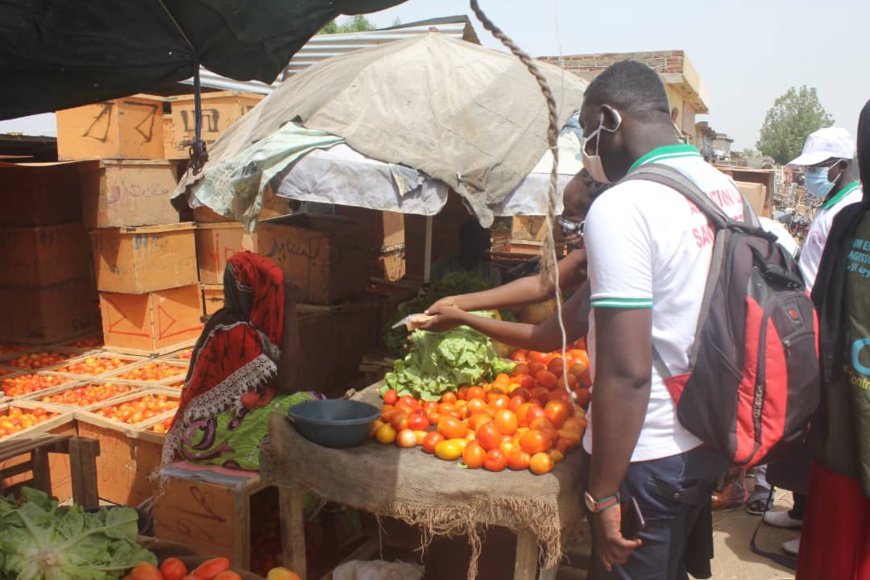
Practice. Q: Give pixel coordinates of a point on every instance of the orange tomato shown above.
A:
(449, 397)
(556, 455)
(476, 406)
(518, 460)
(211, 568)
(452, 428)
(539, 357)
(473, 455)
(495, 460)
(506, 421)
(479, 420)
(570, 437)
(475, 393)
(499, 401)
(541, 463)
(419, 436)
(534, 413)
(146, 571)
(557, 413)
(448, 450)
(534, 441)
(489, 436)
(431, 440)
(515, 403)
(385, 434)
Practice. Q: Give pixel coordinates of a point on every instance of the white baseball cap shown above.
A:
(824, 144)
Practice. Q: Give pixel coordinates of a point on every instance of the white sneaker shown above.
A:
(791, 547)
(781, 520)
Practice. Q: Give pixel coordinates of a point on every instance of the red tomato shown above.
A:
(557, 413)
(495, 460)
(541, 395)
(410, 401)
(520, 369)
(516, 402)
(535, 442)
(546, 379)
(489, 436)
(418, 421)
(431, 440)
(536, 367)
(399, 420)
(449, 397)
(556, 366)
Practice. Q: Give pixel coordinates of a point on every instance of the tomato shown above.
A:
(476, 406)
(499, 401)
(557, 366)
(569, 380)
(374, 428)
(572, 425)
(506, 421)
(409, 401)
(399, 420)
(518, 460)
(515, 403)
(448, 450)
(520, 369)
(489, 436)
(561, 394)
(539, 357)
(541, 463)
(536, 367)
(385, 434)
(571, 438)
(406, 439)
(534, 413)
(495, 460)
(473, 454)
(452, 428)
(535, 442)
(431, 440)
(418, 421)
(582, 397)
(541, 395)
(556, 455)
(546, 379)
(528, 382)
(476, 393)
(479, 420)
(508, 445)
(173, 569)
(146, 571)
(419, 436)
(403, 406)
(250, 400)
(449, 397)
(557, 413)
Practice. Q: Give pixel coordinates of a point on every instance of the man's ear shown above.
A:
(675, 113)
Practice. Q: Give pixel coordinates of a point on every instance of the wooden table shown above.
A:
(291, 463)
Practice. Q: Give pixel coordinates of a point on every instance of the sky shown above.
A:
(747, 52)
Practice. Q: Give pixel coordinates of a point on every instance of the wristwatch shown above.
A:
(600, 505)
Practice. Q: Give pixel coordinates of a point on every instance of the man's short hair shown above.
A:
(629, 87)
(864, 145)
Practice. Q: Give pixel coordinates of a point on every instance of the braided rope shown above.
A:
(548, 251)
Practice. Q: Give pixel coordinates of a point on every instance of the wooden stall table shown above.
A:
(440, 496)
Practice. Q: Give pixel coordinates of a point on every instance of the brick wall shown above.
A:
(667, 61)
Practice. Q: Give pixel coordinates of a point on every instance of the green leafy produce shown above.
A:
(453, 284)
(40, 540)
(439, 362)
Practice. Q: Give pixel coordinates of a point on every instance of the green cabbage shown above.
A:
(440, 362)
(40, 540)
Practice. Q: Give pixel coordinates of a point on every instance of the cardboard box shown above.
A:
(45, 255)
(153, 323)
(218, 242)
(39, 194)
(326, 255)
(48, 314)
(755, 194)
(144, 259)
(127, 128)
(128, 193)
(212, 298)
(219, 111)
(529, 228)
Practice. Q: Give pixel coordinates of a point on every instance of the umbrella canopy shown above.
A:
(469, 116)
(56, 54)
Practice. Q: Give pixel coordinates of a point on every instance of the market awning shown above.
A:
(56, 54)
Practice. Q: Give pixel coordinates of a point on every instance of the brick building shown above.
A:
(686, 92)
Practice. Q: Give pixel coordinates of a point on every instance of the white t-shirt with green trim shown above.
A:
(649, 247)
(814, 245)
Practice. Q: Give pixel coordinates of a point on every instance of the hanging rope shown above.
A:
(549, 260)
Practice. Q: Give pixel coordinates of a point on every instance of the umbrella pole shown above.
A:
(427, 253)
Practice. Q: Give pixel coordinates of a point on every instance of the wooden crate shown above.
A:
(144, 259)
(203, 214)
(64, 368)
(529, 228)
(128, 193)
(153, 323)
(216, 243)
(219, 111)
(41, 256)
(127, 128)
(326, 255)
(211, 517)
(39, 194)
(39, 396)
(48, 314)
(212, 298)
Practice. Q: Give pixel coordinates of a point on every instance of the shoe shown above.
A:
(760, 501)
(791, 547)
(781, 520)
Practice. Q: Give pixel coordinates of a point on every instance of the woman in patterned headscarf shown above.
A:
(242, 369)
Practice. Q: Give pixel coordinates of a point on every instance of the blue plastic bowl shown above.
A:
(334, 423)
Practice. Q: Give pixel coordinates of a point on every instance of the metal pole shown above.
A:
(427, 254)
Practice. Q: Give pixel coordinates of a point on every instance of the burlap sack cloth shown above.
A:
(439, 496)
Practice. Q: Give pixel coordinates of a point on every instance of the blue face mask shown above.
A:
(816, 181)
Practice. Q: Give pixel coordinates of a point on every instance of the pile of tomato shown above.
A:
(87, 395)
(26, 384)
(38, 360)
(152, 372)
(16, 419)
(525, 420)
(138, 410)
(7, 349)
(93, 366)
(163, 426)
(87, 342)
(184, 355)
(4, 371)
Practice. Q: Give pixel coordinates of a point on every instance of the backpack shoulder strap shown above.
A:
(675, 179)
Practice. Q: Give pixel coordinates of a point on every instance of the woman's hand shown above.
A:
(444, 318)
(446, 302)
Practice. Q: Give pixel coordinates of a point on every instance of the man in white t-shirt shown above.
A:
(649, 252)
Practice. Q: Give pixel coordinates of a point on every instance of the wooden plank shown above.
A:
(526, 563)
(293, 528)
(41, 471)
(83, 466)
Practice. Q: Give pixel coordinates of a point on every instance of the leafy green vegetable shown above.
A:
(453, 284)
(438, 362)
(40, 540)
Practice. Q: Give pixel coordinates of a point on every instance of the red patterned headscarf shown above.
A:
(240, 346)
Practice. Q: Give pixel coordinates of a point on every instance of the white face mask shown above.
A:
(593, 163)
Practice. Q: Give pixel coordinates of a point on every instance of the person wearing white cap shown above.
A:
(827, 157)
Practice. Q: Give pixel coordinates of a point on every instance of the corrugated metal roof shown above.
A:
(324, 46)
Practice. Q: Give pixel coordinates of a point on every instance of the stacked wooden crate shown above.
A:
(144, 259)
(46, 284)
